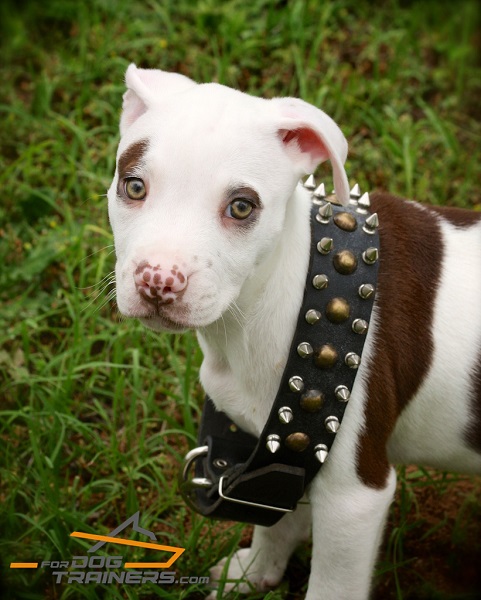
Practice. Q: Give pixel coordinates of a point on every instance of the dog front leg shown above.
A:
(347, 528)
(262, 566)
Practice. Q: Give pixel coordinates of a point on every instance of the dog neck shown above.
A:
(245, 351)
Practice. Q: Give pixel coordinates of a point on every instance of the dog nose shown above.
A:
(158, 283)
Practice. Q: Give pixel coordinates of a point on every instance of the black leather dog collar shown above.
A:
(242, 478)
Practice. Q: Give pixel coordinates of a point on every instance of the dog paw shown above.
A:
(244, 573)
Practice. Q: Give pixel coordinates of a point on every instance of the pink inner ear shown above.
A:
(307, 142)
(133, 108)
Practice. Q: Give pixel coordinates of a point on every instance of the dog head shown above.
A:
(198, 201)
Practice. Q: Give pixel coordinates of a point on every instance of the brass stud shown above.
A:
(285, 415)
(342, 393)
(304, 349)
(332, 424)
(312, 401)
(366, 290)
(325, 245)
(345, 262)
(326, 357)
(321, 452)
(297, 441)
(360, 326)
(338, 310)
(296, 384)
(273, 443)
(333, 199)
(320, 282)
(352, 360)
(312, 316)
(370, 256)
(345, 221)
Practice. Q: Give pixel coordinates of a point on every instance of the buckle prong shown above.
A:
(246, 502)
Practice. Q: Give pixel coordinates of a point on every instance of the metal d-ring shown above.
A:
(188, 486)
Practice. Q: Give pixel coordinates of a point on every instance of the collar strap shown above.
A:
(242, 478)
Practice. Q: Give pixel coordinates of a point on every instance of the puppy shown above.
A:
(212, 232)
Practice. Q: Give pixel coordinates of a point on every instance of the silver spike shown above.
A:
(304, 350)
(273, 443)
(320, 191)
(296, 384)
(352, 360)
(325, 245)
(310, 183)
(371, 224)
(355, 193)
(320, 281)
(360, 326)
(325, 213)
(366, 290)
(332, 424)
(370, 256)
(285, 415)
(321, 451)
(342, 393)
(363, 204)
(312, 316)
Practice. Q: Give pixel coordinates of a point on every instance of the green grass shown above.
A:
(95, 412)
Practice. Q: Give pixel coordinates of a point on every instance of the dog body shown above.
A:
(212, 232)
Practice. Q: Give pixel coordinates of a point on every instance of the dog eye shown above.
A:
(239, 209)
(135, 188)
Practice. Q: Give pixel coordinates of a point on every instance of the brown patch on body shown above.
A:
(411, 252)
(128, 161)
(457, 216)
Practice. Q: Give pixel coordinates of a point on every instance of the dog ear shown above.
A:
(145, 87)
(310, 137)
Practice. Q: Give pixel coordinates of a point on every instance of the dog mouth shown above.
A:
(163, 323)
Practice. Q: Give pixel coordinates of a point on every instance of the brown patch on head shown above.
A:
(409, 273)
(129, 160)
(473, 433)
(457, 216)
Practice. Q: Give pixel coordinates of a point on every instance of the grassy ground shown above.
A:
(96, 412)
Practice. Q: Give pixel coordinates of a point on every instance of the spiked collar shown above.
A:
(257, 480)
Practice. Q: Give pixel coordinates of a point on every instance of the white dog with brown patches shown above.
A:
(212, 233)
